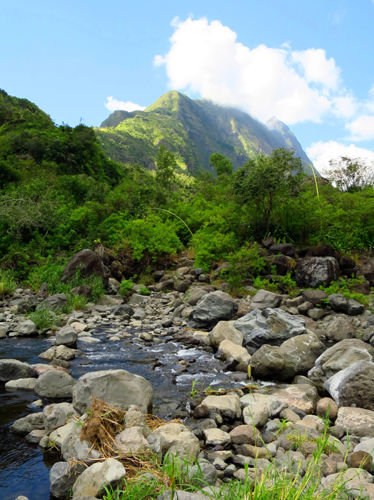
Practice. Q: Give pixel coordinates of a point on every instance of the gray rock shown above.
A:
(93, 480)
(213, 307)
(216, 437)
(131, 440)
(54, 302)
(353, 386)
(268, 326)
(56, 415)
(21, 384)
(123, 310)
(343, 354)
(314, 296)
(344, 305)
(356, 421)
(73, 448)
(195, 294)
(62, 477)
(12, 369)
(236, 356)
(26, 328)
(339, 328)
(54, 384)
(86, 262)
(176, 439)
(225, 330)
(116, 387)
(4, 329)
(315, 271)
(228, 406)
(27, 424)
(66, 336)
(264, 299)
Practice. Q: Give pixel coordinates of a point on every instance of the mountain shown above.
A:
(193, 130)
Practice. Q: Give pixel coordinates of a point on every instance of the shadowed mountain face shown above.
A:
(193, 129)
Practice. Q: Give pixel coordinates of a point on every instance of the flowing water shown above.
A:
(24, 468)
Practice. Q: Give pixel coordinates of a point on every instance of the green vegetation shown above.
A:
(43, 318)
(126, 287)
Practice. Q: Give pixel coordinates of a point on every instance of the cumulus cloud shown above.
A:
(296, 86)
(114, 105)
(362, 128)
(321, 153)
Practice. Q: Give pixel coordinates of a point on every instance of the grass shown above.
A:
(7, 283)
(43, 318)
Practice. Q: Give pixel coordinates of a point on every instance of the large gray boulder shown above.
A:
(86, 262)
(73, 447)
(268, 326)
(295, 356)
(356, 421)
(118, 388)
(338, 357)
(12, 369)
(27, 424)
(344, 305)
(62, 477)
(225, 330)
(315, 271)
(66, 336)
(93, 480)
(54, 302)
(353, 386)
(213, 307)
(26, 328)
(176, 439)
(54, 384)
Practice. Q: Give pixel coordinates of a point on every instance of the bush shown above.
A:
(7, 283)
(126, 287)
(43, 318)
(211, 245)
(244, 264)
(144, 291)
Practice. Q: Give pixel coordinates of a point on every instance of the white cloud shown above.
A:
(362, 128)
(114, 105)
(321, 153)
(296, 86)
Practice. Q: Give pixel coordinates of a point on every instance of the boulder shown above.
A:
(356, 421)
(315, 271)
(353, 386)
(175, 439)
(58, 352)
(62, 477)
(216, 437)
(54, 384)
(237, 356)
(344, 305)
(56, 415)
(73, 447)
(213, 307)
(86, 262)
(131, 440)
(123, 310)
(118, 388)
(366, 269)
(195, 294)
(93, 480)
(66, 336)
(21, 384)
(26, 328)
(314, 296)
(339, 328)
(12, 369)
(268, 326)
(301, 397)
(343, 354)
(27, 424)
(54, 302)
(228, 406)
(225, 330)
(264, 299)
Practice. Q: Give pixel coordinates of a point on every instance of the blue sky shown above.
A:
(309, 63)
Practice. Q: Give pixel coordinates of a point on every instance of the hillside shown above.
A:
(193, 129)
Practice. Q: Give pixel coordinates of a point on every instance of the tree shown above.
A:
(165, 167)
(266, 181)
(350, 174)
(221, 164)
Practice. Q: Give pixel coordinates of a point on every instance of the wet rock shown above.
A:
(343, 354)
(213, 307)
(315, 271)
(356, 421)
(54, 384)
(236, 355)
(93, 480)
(118, 388)
(225, 330)
(56, 415)
(86, 262)
(269, 326)
(21, 384)
(62, 477)
(26, 328)
(176, 439)
(344, 305)
(27, 424)
(353, 386)
(12, 369)
(264, 299)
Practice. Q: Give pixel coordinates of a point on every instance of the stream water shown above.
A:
(24, 468)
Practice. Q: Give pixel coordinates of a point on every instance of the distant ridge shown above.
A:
(193, 130)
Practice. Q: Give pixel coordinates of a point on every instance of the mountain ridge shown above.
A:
(193, 130)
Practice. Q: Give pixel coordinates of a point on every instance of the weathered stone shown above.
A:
(66, 336)
(356, 421)
(195, 294)
(354, 480)
(361, 460)
(236, 355)
(301, 397)
(58, 352)
(264, 299)
(21, 384)
(326, 407)
(339, 328)
(93, 480)
(366, 269)
(228, 406)
(54, 384)
(73, 447)
(367, 446)
(315, 271)
(86, 262)
(62, 476)
(123, 310)
(225, 330)
(353, 386)
(343, 354)
(175, 439)
(216, 437)
(27, 424)
(213, 307)
(344, 305)
(245, 434)
(118, 388)
(54, 302)
(26, 328)
(12, 369)
(56, 415)
(269, 326)
(314, 296)
(131, 440)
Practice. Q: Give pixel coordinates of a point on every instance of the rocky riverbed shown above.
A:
(308, 361)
